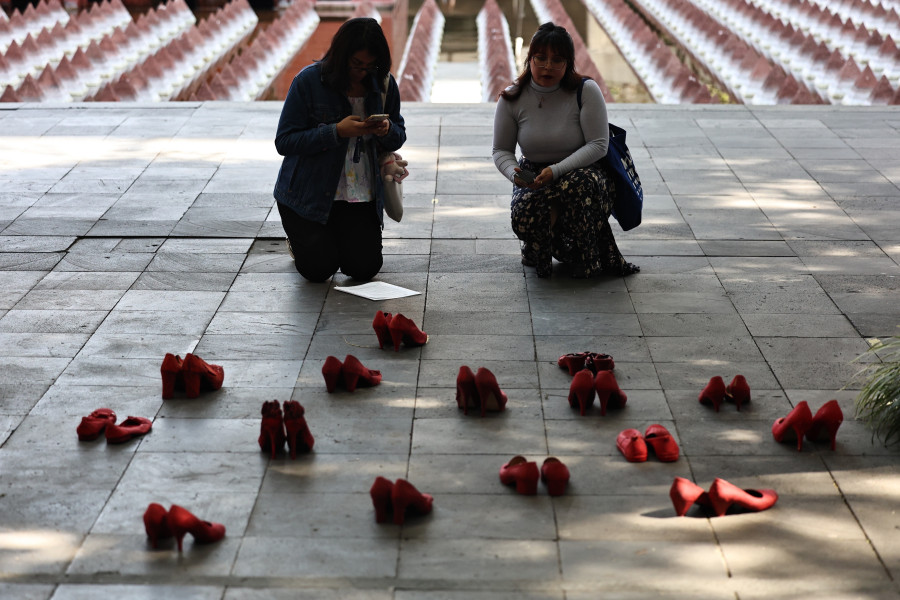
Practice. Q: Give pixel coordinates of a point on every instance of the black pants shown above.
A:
(350, 241)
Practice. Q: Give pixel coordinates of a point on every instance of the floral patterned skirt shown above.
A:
(581, 236)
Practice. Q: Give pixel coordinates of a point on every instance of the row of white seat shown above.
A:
(415, 74)
(495, 57)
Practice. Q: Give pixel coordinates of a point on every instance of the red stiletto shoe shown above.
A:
(632, 445)
(466, 392)
(685, 493)
(723, 495)
(714, 392)
(794, 426)
(172, 376)
(354, 374)
(200, 375)
(404, 331)
(608, 391)
(581, 390)
(93, 425)
(523, 473)
(662, 442)
(381, 325)
(825, 423)
(127, 429)
(492, 399)
(405, 496)
(181, 521)
(271, 433)
(331, 371)
(296, 429)
(555, 476)
(592, 361)
(381, 492)
(738, 391)
(156, 523)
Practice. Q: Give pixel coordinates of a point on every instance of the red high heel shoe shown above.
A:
(714, 392)
(685, 493)
(555, 476)
(466, 392)
(296, 429)
(825, 423)
(381, 325)
(738, 391)
(592, 361)
(93, 425)
(199, 374)
(662, 442)
(271, 433)
(523, 473)
(406, 496)
(581, 390)
(354, 374)
(381, 492)
(127, 429)
(331, 371)
(404, 331)
(172, 376)
(794, 425)
(608, 391)
(182, 521)
(156, 523)
(632, 445)
(492, 398)
(723, 495)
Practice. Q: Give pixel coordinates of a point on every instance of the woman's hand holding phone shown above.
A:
(354, 126)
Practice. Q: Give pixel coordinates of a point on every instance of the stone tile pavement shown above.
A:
(770, 247)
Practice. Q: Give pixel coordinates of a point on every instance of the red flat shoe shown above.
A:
(156, 523)
(685, 493)
(381, 492)
(354, 374)
(127, 429)
(794, 426)
(381, 325)
(182, 521)
(608, 391)
(200, 375)
(581, 391)
(738, 391)
(723, 495)
(93, 425)
(492, 399)
(331, 371)
(713, 393)
(662, 442)
(825, 423)
(172, 376)
(296, 429)
(555, 476)
(466, 392)
(632, 445)
(405, 496)
(271, 433)
(523, 473)
(404, 331)
(592, 361)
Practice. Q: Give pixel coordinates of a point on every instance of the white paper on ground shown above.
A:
(378, 290)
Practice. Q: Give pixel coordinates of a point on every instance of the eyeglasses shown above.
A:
(555, 63)
(358, 65)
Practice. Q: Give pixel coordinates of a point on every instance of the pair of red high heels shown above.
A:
(479, 389)
(103, 420)
(190, 375)
(592, 361)
(585, 384)
(177, 521)
(350, 374)
(800, 422)
(394, 499)
(397, 329)
(634, 446)
(524, 474)
(721, 496)
(290, 426)
(716, 392)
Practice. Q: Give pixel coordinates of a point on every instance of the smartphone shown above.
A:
(377, 118)
(526, 176)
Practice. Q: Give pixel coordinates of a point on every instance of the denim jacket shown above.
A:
(313, 153)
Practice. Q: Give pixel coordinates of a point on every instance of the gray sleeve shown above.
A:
(506, 133)
(594, 125)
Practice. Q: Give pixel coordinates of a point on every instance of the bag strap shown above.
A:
(580, 87)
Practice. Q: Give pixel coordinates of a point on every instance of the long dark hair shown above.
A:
(547, 37)
(362, 33)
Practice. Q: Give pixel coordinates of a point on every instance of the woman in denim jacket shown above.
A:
(329, 189)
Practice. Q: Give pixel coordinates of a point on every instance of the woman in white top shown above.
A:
(564, 211)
